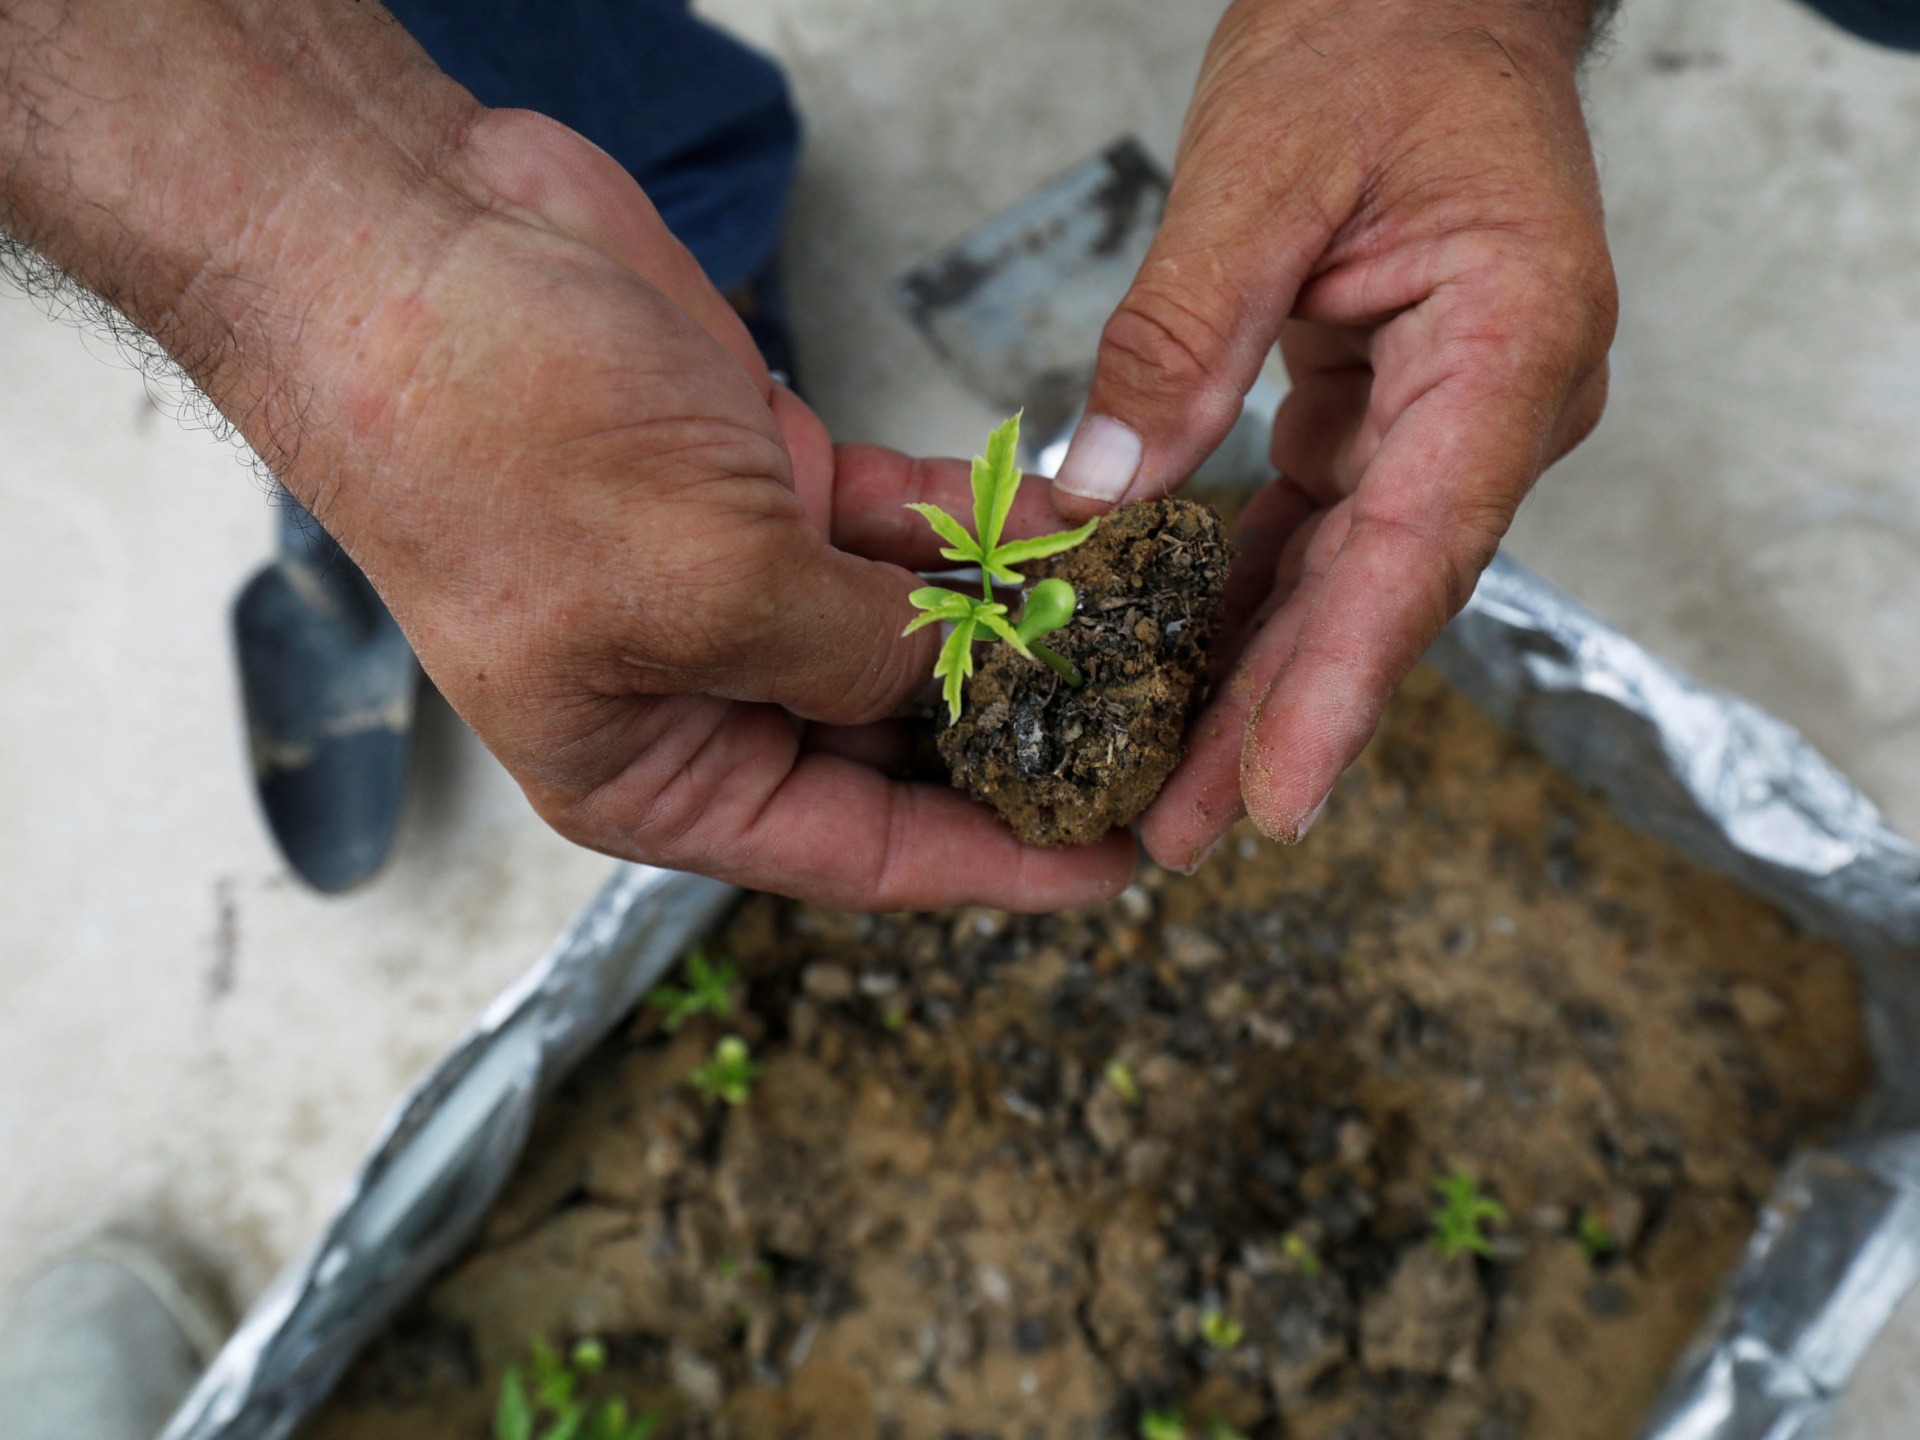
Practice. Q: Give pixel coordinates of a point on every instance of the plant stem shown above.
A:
(1059, 663)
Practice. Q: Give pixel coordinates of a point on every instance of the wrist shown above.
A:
(1559, 31)
(229, 174)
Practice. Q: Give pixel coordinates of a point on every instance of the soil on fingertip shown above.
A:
(1063, 765)
(1014, 1177)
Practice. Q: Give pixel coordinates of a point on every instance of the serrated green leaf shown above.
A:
(954, 608)
(1049, 606)
(553, 1382)
(999, 626)
(929, 597)
(996, 480)
(513, 1416)
(951, 531)
(1018, 552)
(920, 622)
(567, 1427)
(955, 664)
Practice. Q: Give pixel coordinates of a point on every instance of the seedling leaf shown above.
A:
(1460, 1221)
(999, 626)
(1019, 552)
(1296, 1249)
(709, 990)
(1049, 606)
(1221, 1330)
(729, 1074)
(1163, 1425)
(940, 605)
(1596, 1240)
(956, 663)
(513, 1416)
(996, 480)
(953, 532)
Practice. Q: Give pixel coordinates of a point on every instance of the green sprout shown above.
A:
(996, 480)
(709, 989)
(1219, 1429)
(1163, 1425)
(1460, 1220)
(730, 1074)
(1119, 1075)
(1296, 1249)
(1221, 1330)
(1596, 1240)
(549, 1389)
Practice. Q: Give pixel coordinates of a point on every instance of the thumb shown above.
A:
(1186, 344)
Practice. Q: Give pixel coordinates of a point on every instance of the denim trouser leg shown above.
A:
(702, 122)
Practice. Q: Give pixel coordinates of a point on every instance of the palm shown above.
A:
(650, 568)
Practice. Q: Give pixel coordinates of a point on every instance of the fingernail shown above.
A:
(1205, 855)
(1102, 460)
(1312, 815)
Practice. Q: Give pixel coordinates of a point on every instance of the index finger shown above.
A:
(1476, 419)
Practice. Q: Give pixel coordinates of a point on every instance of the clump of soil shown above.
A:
(1064, 765)
(1010, 1178)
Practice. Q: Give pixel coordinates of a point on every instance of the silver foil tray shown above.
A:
(1837, 1248)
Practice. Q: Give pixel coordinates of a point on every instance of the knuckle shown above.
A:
(1167, 339)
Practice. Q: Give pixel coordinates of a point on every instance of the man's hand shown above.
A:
(1402, 194)
(464, 339)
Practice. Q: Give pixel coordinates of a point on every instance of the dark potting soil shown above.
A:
(1033, 1178)
(1064, 765)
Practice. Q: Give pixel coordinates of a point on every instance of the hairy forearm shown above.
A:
(231, 175)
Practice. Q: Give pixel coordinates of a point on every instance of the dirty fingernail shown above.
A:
(1101, 462)
(1205, 855)
(1312, 815)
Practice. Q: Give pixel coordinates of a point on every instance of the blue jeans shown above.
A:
(702, 122)
(1886, 22)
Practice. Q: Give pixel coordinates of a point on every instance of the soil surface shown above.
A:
(1063, 765)
(1006, 1178)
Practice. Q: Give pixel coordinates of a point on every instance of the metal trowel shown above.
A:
(1015, 307)
(330, 686)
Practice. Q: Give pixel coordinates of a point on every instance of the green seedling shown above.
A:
(1120, 1077)
(1596, 1240)
(1300, 1253)
(730, 1074)
(996, 480)
(709, 990)
(543, 1401)
(1460, 1221)
(1163, 1425)
(1219, 1429)
(1221, 1330)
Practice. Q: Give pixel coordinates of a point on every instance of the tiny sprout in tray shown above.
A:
(1460, 1221)
(545, 1399)
(996, 480)
(1221, 1330)
(708, 991)
(730, 1074)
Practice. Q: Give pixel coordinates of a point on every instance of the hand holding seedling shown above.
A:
(463, 338)
(1402, 195)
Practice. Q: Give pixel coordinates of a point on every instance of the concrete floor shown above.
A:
(186, 1036)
